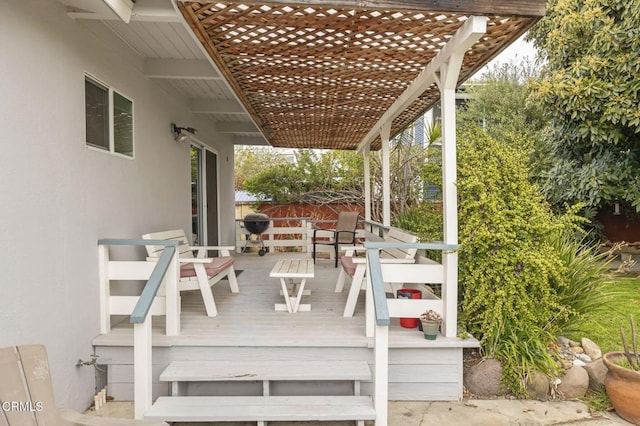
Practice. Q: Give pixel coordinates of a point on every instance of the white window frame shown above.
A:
(111, 126)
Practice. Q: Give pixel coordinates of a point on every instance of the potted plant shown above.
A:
(430, 321)
(622, 381)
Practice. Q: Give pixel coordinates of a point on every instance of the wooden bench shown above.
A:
(197, 272)
(355, 267)
(265, 407)
(26, 392)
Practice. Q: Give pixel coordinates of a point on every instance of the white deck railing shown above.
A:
(380, 310)
(288, 238)
(164, 271)
(296, 237)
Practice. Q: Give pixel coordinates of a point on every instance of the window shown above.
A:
(109, 118)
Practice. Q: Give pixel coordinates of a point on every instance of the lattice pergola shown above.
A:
(314, 76)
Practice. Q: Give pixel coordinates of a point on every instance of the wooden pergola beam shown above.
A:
(531, 8)
(464, 38)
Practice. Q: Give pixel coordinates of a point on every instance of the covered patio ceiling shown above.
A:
(321, 74)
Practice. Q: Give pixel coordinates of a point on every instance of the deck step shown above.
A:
(261, 408)
(193, 371)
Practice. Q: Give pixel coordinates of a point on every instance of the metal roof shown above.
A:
(246, 197)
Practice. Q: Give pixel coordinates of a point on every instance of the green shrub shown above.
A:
(524, 277)
(583, 289)
(522, 351)
(508, 267)
(424, 220)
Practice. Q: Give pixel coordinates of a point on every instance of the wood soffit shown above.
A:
(321, 74)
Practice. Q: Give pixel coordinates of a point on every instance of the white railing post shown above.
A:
(381, 339)
(271, 232)
(164, 272)
(385, 135)
(381, 374)
(104, 288)
(369, 309)
(367, 183)
(142, 359)
(239, 233)
(172, 296)
(306, 239)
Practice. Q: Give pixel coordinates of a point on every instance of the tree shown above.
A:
(590, 89)
(406, 159)
(329, 177)
(249, 161)
(499, 102)
(337, 176)
(280, 184)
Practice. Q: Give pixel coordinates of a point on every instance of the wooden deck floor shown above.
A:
(249, 318)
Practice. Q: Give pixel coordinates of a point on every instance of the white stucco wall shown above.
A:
(57, 197)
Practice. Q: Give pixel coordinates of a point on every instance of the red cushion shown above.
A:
(348, 265)
(218, 265)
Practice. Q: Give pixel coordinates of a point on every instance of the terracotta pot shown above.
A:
(623, 387)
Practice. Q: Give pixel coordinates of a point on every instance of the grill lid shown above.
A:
(256, 223)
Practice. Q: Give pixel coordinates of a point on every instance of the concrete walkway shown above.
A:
(480, 412)
(496, 413)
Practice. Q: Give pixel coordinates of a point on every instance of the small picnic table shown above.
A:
(289, 270)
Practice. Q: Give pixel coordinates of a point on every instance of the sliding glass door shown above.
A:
(204, 196)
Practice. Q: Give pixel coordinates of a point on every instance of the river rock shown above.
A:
(577, 350)
(584, 357)
(596, 371)
(574, 383)
(483, 379)
(538, 385)
(591, 349)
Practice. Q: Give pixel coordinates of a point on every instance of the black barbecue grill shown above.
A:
(256, 224)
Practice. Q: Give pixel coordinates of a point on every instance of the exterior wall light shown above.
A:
(182, 133)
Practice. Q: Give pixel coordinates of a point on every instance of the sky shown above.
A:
(519, 50)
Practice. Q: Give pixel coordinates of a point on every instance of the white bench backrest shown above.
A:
(395, 235)
(424, 272)
(174, 235)
(410, 275)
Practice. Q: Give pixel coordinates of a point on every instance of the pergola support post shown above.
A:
(367, 184)
(447, 82)
(385, 135)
